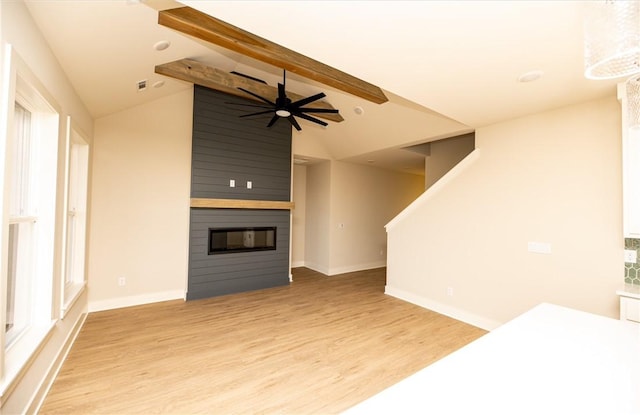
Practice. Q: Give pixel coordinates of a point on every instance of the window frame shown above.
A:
(23, 219)
(76, 195)
(20, 85)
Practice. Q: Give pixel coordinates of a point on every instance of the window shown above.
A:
(22, 222)
(30, 149)
(74, 269)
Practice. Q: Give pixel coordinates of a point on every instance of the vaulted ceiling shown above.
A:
(447, 67)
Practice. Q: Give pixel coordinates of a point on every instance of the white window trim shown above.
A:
(17, 358)
(71, 291)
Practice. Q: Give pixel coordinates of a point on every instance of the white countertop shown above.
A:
(550, 360)
(630, 290)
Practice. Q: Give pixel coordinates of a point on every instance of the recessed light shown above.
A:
(162, 45)
(530, 76)
(158, 84)
(371, 161)
(358, 110)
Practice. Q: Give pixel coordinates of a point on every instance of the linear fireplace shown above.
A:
(238, 240)
(248, 239)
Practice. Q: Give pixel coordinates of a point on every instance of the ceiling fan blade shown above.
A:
(257, 96)
(317, 110)
(293, 122)
(248, 77)
(312, 119)
(256, 113)
(305, 101)
(273, 120)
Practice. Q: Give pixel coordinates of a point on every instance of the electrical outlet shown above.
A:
(122, 281)
(232, 183)
(450, 291)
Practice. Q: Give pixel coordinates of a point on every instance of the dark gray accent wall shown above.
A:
(211, 275)
(445, 154)
(227, 147)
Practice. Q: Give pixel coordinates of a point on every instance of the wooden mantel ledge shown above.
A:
(241, 204)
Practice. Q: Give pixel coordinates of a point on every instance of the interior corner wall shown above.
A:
(444, 154)
(363, 199)
(298, 216)
(553, 177)
(318, 217)
(140, 215)
(347, 206)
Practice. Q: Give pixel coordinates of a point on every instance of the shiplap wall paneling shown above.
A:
(227, 147)
(220, 274)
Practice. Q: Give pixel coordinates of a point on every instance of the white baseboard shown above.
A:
(447, 310)
(342, 270)
(358, 267)
(133, 300)
(316, 268)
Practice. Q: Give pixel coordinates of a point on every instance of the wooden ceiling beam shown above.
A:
(202, 26)
(198, 73)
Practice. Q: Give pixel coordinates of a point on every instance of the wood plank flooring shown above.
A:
(320, 345)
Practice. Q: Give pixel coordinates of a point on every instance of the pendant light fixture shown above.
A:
(632, 92)
(612, 39)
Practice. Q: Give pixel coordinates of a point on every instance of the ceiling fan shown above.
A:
(283, 107)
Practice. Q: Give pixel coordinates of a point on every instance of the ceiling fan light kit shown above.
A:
(283, 107)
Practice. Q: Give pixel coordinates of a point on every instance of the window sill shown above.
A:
(20, 355)
(71, 295)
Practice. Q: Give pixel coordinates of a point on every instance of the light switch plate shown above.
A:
(630, 256)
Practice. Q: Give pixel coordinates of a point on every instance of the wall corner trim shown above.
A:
(435, 188)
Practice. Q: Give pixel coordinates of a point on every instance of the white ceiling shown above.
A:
(456, 58)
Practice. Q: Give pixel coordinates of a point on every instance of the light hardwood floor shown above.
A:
(320, 345)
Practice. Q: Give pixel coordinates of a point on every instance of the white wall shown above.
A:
(317, 215)
(298, 215)
(363, 200)
(19, 30)
(553, 177)
(347, 207)
(140, 218)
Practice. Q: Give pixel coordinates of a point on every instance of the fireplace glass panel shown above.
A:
(230, 240)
